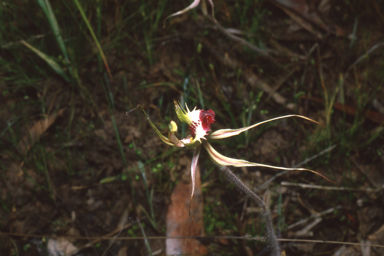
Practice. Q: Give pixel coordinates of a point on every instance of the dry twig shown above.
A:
(284, 183)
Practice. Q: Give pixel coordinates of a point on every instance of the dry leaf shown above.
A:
(179, 223)
(60, 247)
(36, 131)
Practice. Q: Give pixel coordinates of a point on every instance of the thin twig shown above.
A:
(327, 242)
(238, 39)
(109, 246)
(365, 55)
(305, 230)
(247, 237)
(110, 236)
(251, 78)
(285, 183)
(365, 250)
(145, 237)
(361, 169)
(313, 216)
(279, 84)
(265, 184)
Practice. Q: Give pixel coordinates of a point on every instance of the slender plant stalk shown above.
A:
(270, 234)
(94, 37)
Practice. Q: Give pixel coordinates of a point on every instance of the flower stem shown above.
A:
(273, 243)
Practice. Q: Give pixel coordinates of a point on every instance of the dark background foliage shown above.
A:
(73, 163)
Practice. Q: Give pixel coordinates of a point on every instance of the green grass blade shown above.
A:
(99, 5)
(148, 217)
(142, 170)
(46, 6)
(119, 141)
(93, 36)
(50, 61)
(145, 237)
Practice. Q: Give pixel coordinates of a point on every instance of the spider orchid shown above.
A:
(190, 7)
(199, 123)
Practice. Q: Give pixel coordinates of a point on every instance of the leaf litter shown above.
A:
(98, 207)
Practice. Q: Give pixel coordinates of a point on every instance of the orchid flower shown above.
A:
(199, 123)
(193, 5)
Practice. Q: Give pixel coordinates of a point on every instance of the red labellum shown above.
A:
(200, 122)
(207, 118)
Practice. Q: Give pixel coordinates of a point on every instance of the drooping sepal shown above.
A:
(223, 160)
(227, 161)
(195, 159)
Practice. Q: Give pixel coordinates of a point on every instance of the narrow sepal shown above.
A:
(181, 113)
(223, 160)
(195, 159)
(225, 133)
(227, 161)
(161, 136)
(193, 5)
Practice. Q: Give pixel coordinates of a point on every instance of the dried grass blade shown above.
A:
(35, 132)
